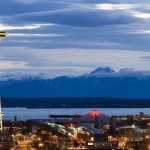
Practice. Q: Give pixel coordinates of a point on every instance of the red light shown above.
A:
(95, 113)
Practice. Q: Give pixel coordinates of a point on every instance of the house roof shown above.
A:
(101, 118)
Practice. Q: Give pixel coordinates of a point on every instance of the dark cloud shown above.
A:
(65, 1)
(72, 13)
(146, 58)
(103, 37)
(78, 17)
(10, 7)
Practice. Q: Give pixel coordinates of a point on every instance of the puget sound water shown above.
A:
(25, 114)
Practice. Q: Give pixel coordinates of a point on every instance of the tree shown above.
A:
(112, 122)
(10, 129)
(112, 125)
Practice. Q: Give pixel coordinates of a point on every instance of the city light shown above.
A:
(95, 113)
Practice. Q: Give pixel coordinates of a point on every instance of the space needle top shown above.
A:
(3, 34)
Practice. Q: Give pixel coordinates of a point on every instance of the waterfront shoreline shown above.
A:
(26, 114)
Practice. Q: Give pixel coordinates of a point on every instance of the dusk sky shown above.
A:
(72, 37)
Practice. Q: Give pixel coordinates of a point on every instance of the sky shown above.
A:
(72, 37)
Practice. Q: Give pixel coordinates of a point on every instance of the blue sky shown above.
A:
(74, 36)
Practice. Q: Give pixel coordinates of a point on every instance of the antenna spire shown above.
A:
(1, 114)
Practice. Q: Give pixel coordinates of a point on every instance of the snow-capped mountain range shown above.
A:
(102, 82)
(101, 70)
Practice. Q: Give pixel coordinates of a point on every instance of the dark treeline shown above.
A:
(75, 102)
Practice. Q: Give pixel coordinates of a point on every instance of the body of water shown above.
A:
(25, 114)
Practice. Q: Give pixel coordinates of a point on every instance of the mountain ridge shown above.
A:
(123, 84)
(98, 72)
(102, 70)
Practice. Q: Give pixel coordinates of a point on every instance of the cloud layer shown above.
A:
(72, 37)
